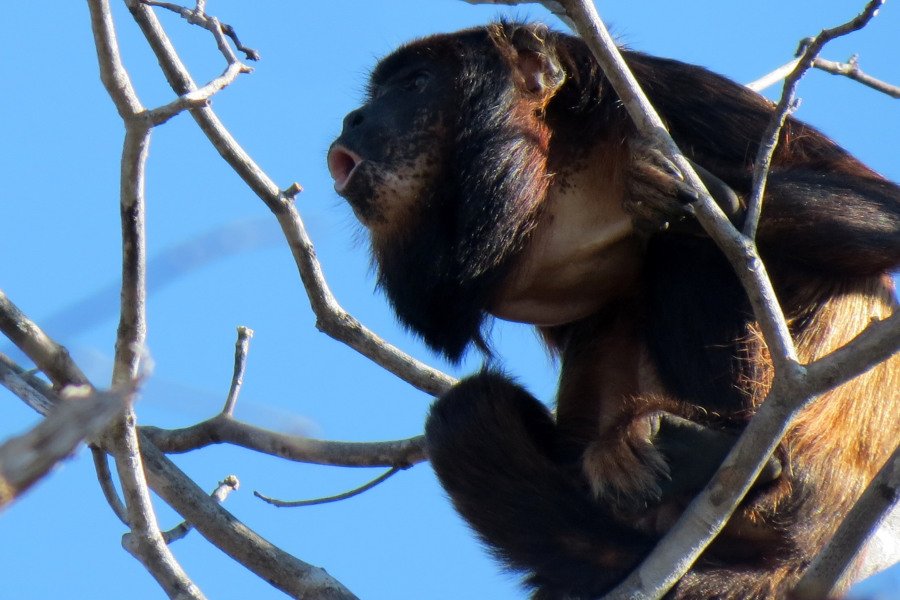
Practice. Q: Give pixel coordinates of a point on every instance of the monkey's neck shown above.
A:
(582, 253)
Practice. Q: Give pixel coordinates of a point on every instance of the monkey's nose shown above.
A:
(341, 164)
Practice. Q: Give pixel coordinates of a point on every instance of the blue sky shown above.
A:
(60, 239)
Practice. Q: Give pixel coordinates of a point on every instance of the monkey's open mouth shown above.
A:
(342, 163)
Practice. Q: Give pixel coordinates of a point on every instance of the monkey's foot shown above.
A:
(627, 469)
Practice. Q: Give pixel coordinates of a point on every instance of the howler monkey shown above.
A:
(499, 175)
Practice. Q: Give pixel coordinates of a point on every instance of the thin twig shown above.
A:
(220, 494)
(315, 501)
(770, 79)
(197, 16)
(104, 478)
(199, 97)
(851, 70)
(808, 51)
(241, 348)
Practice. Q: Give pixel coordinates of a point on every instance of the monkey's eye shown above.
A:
(417, 81)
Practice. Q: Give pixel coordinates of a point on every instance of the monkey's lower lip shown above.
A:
(341, 164)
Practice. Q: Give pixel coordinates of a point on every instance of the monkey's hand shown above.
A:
(659, 199)
(657, 458)
(694, 452)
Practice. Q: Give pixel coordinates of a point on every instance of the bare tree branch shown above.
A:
(197, 16)
(43, 399)
(224, 428)
(831, 565)
(878, 342)
(241, 347)
(277, 567)
(287, 573)
(17, 380)
(228, 430)
(54, 360)
(331, 317)
(27, 458)
(810, 49)
(708, 513)
(145, 542)
(50, 357)
(851, 70)
(222, 491)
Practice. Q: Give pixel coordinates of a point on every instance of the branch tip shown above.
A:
(241, 350)
(292, 190)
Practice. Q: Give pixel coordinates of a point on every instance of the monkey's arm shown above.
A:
(831, 221)
(658, 197)
(823, 219)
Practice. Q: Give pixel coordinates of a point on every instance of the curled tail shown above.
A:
(496, 451)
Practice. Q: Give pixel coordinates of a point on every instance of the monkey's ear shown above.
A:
(536, 63)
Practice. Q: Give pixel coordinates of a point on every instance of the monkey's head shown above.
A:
(446, 165)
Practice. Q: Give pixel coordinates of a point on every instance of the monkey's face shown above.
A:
(446, 166)
(391, 149)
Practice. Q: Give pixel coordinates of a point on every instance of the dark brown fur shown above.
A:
(481, 164)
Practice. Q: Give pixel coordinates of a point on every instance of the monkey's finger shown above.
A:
(721, 192)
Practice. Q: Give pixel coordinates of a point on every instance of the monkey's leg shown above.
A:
(492, 446)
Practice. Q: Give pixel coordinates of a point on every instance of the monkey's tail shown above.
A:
(493, 447)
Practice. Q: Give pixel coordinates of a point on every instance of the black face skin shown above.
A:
(443, 233)
(387, 145)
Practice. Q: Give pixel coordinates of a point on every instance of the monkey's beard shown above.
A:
(442, 276)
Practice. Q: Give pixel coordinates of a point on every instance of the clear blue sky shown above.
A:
(59, 237)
